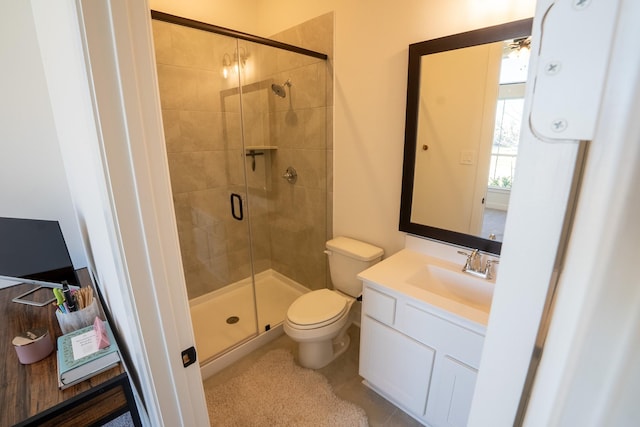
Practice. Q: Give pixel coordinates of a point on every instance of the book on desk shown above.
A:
(80, 358)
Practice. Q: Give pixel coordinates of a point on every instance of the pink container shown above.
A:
(33, 345)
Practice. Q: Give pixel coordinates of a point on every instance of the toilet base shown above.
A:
(341, 344)
(318, 354)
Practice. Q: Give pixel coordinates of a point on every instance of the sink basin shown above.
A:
(455, 285)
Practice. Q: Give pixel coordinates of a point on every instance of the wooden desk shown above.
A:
(30, 394)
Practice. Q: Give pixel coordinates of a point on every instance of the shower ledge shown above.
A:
(260, 147)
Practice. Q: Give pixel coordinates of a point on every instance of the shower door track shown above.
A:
(161, 16)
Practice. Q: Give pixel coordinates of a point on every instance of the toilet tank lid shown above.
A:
(354, 248)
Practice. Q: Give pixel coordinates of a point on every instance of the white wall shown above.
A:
(370, 68)
(32, 179)
(239, 15)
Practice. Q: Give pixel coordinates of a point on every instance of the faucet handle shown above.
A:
(467, 264)
(488, 268)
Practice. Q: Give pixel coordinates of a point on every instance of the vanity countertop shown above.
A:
(397, 274)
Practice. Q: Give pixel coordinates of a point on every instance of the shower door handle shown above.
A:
(236, 200)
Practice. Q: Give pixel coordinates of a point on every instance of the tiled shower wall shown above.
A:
(201, 114)
(304, 211)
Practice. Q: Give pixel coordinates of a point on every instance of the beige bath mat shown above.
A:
(277, 392)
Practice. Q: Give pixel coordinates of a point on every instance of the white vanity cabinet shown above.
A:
(419, 357)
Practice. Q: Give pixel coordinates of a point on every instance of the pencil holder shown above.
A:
(75, 320)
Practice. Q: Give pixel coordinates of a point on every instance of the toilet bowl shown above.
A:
(318, 320)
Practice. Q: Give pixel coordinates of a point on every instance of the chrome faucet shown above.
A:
(473, 265)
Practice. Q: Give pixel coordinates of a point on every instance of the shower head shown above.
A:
(280, 90)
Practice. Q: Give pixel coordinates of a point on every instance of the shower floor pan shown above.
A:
(225, 318)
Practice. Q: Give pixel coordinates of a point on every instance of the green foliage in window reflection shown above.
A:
(501, 182)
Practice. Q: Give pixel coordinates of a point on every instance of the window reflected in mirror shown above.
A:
(506, 135)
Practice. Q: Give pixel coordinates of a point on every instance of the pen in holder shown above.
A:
(73, 320)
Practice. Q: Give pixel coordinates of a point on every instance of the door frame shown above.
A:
(99, 63)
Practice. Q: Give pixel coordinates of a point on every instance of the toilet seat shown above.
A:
(317, 309)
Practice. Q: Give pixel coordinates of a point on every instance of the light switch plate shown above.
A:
(467, 157)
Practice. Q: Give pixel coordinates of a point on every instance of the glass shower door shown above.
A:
(202, 115)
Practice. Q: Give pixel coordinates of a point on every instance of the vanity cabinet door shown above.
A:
(446, 337)
(395, 364)
(451, 393)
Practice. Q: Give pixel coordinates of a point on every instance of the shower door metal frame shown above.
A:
(173, 19)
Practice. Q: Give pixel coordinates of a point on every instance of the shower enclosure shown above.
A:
(245, 123)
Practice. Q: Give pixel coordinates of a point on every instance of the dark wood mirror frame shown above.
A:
(496, 33)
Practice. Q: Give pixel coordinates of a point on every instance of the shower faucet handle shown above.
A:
(290, 175)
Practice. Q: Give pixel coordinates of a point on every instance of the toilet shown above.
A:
(318, 320)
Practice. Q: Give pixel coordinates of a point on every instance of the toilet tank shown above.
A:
(347, 258)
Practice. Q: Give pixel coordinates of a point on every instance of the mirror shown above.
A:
(464, 109)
